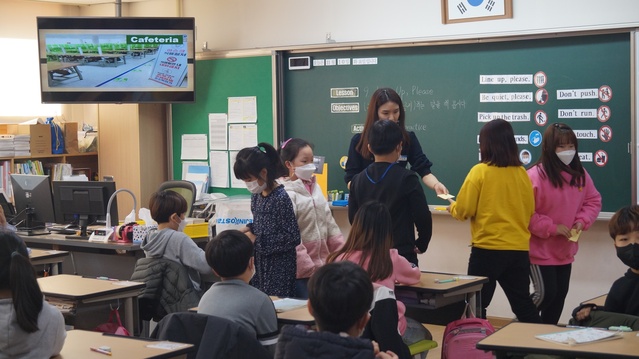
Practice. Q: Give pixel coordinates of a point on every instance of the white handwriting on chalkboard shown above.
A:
(447, 104)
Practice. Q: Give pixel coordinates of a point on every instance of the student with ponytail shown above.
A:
(274, 230)
(31, 327)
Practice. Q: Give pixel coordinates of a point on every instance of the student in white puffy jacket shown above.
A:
(318, 230)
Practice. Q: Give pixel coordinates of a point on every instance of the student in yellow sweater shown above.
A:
(497, 196)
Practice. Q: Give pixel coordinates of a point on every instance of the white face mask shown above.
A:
(255, 187)
(305, 172)
(181, 225)
(566, 156)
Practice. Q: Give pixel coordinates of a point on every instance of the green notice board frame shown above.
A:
(215, 81)
(447, 88)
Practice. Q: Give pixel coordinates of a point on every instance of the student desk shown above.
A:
(519, 337)
(48, 257)
(433, 295)
(599, 301)
(82, 290)
(111, 259)
(294, 316)
(57, 241)
(78, 343)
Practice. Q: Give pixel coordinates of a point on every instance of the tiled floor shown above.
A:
(438, 332)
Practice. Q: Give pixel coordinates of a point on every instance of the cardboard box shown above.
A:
(71, 137)
(8, 129)
(40, 141)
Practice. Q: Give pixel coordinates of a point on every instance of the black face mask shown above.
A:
(629, 255)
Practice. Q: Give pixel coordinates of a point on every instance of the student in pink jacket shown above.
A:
(318, 230)
(370, 244)
(566, 203)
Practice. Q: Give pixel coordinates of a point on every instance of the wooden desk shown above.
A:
(78, 343)
(91, 290)
(48, 257)
(294, 316)
(599, 301)
(519, 337)
(433, 295)
(57, 241)
(112, 259)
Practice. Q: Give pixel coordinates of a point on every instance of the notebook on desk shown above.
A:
(579, 336)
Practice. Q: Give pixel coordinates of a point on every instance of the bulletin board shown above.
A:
(217, 80)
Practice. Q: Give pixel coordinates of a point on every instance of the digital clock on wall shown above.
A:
(299, 63)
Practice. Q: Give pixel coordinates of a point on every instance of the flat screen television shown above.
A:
(34, 203)
(116, 59)
(84, 203)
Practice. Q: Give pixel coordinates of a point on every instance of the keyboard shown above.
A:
(62, 230)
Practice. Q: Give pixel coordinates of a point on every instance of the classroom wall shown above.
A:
(248, 24)
(243, 24)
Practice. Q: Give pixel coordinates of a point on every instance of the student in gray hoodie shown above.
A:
(169, 241)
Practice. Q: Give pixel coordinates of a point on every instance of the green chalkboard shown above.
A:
(448, 90)
(215, 81)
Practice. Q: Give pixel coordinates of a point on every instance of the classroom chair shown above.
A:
(168, 289)
(213, 337)
(186, 188)
(420, 349)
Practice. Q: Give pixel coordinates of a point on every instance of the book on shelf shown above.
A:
(5, 179)
(61, 170)
(30, 167)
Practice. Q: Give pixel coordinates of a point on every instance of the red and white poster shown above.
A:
(170, 66)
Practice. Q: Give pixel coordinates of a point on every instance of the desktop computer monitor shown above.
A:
(33, 202)
(84, 203)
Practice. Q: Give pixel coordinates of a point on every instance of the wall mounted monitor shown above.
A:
(116, 59)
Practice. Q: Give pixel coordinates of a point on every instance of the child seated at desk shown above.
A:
(168, 209)
(370, 244)
(622, 303)
(339, 297)
(31, 328)
(230, 254)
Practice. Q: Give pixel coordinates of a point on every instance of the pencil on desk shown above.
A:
(98, 350)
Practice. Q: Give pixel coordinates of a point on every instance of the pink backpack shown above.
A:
(461, 336)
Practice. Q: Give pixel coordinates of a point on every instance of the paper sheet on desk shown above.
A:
(125, 283)
(285, 304)
(579, 336)
(167, 345)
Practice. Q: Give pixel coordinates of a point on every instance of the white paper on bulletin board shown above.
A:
(194, 147)
(242, 109)
(217, 131)
(235, 183)
(242, 135)
(219, 163)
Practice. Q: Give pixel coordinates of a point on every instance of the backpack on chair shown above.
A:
(461, 337)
